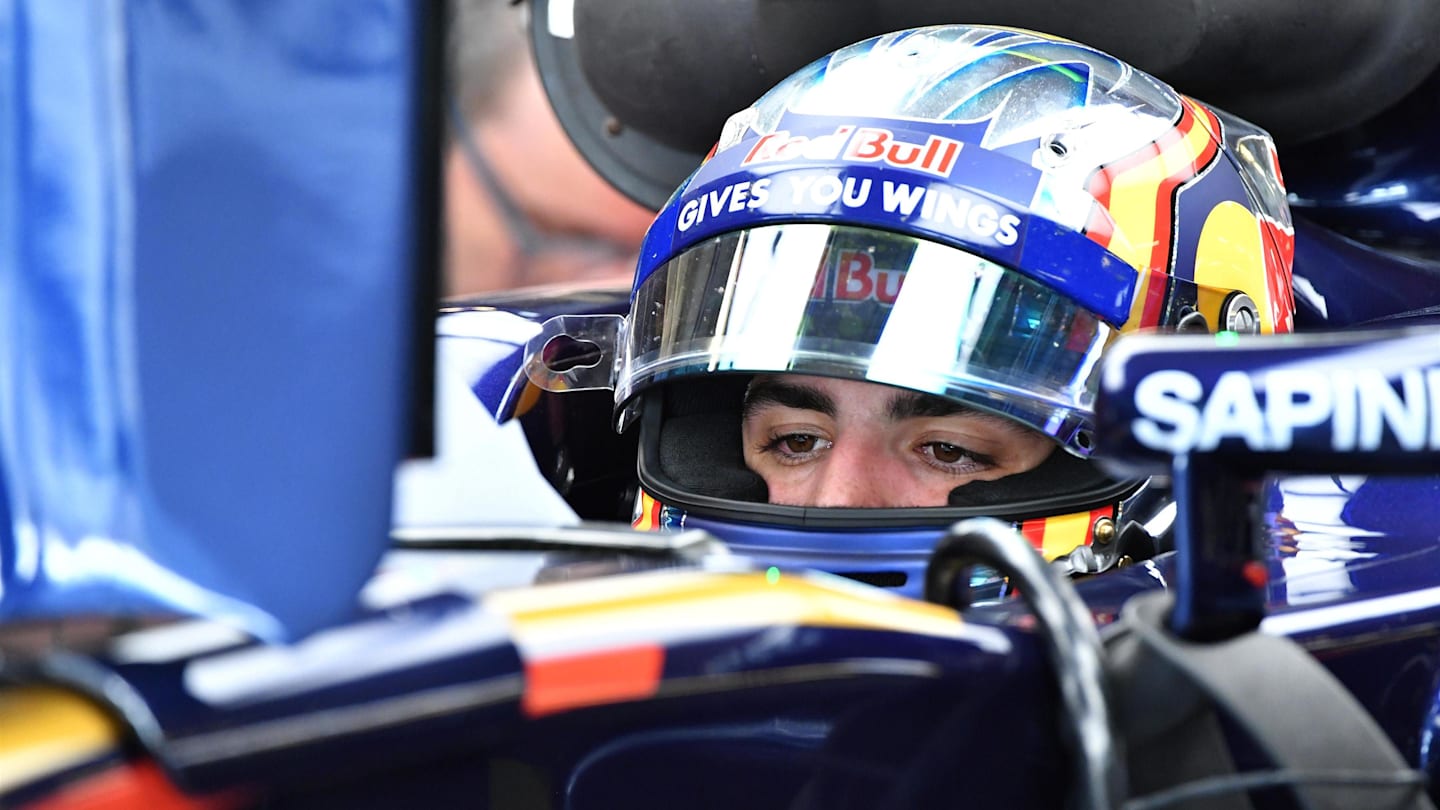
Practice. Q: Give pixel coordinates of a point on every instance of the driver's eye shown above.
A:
(948, 453)
(800, 443)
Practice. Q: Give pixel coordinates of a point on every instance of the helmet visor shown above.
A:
(869, 305)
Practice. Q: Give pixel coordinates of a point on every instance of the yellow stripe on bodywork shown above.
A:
(585, 615)
(47, 730)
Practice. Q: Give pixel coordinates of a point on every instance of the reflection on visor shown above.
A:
(870, 305)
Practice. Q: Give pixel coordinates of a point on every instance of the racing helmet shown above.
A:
(970, 212)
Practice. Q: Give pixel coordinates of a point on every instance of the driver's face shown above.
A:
(824, 442)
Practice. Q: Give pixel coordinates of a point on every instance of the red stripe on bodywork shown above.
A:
(591, 679)
(132, 785)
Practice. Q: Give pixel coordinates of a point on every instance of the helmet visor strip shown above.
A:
(863, 304)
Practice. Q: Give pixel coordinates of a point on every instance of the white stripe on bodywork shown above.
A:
(1287, 624)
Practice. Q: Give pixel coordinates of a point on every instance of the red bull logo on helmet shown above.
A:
(936, 156)
(898, 175)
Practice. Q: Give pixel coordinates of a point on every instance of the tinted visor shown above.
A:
(869, 305)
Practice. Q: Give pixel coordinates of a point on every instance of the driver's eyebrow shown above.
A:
(910, 405)
(790, 395)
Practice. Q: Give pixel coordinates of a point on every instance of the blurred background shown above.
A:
(522, 206)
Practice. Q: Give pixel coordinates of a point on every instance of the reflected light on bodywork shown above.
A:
(99, 560)
(340, 656)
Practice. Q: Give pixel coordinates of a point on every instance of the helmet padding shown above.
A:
(700, 448)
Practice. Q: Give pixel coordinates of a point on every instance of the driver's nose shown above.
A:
(858, 475)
